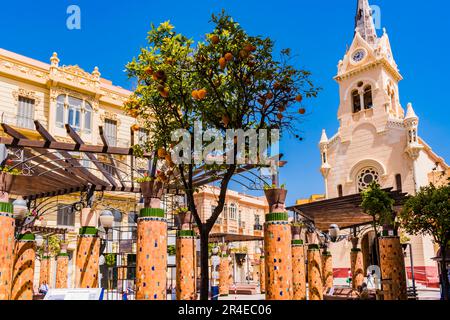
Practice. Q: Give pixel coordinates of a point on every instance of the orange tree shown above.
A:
(229, 80)
(428, 212)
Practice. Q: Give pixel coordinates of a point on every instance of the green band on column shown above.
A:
(278, 216)
(26, 237)
(313, 247)
(297, 242)
(356, 250)
(185, 233)
(88, 231)
(45, 258)
(63, 255)
(152, 212)
(326, 254)
(6, 207)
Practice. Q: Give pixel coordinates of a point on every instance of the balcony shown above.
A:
(258, 227)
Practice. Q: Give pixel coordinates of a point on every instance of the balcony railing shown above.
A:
(258, 227)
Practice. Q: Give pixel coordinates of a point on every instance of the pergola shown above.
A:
(345, 211)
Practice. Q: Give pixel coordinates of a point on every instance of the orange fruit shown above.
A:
(154, 76)
(299, 98)
(201, 94)
(229, 56)
(135, 127)
(302, 111)
(243, 54)
(223, 63)
(269, 96)
(164, 93)
(215, 39)
(195, 94)
(282, 108)
(161, 153)
(280, 116)
(149, 71)
(168, 157)
(225, 120)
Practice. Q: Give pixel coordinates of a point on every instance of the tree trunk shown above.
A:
(444, 273)
(204, 263)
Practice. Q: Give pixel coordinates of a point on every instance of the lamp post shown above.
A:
(106, 221)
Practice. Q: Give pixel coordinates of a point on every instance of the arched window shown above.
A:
(366, 176)
(87, 117)
(398, 182)
(60, 102)
(356, 101)
(368, 101)
(74, 113)
(232, 212)
(340, 191)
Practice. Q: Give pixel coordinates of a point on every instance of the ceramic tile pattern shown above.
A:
(357, 268)
(315, 279)
(393, 268)
(298, 272)
(88, 252)
(22, 283)
(278, 256)
(62, 267)
(151, 265)
(6, 255)
(185, 260)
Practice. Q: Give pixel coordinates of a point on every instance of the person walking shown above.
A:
(370, 279)
(43, 289)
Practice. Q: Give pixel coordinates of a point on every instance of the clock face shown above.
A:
(358, 55)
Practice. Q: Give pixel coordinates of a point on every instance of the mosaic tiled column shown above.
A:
(278, 257)
(23, 270)
(357, 268)
(7, 225)
(44, 270)
(186, 265)
(224, 276)
(262, 274)
(87, 260)
(315, 278)
(62, 267)
(298, 270)
(151, 264)
(327, 270)
(392, 268)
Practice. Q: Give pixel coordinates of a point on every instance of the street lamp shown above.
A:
(106, 220)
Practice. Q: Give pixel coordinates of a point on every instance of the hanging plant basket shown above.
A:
(276, 199)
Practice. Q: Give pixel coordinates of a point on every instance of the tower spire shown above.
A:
(364, 24)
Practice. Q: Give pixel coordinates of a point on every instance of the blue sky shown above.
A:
(317, 32)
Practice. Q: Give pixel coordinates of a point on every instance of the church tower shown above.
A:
(376, 140)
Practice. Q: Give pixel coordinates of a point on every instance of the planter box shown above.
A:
(276, 199)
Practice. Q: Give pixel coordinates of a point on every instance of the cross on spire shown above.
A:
(364, 24)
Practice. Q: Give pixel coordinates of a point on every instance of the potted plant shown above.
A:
(110, 259)
(276, 197)
(183, 218)
(296, 229)
(152, 190)
(7, 176)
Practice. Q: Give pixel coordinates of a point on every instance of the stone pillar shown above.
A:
(327, 270)
(262, 274)
(88, 253)
(357, 268)
(278, 259)
(186, 265)
(7, 226)
(151, 260)
(23, 270)
(393, 269)
(315, 278)
(44, 270)
(298, 270)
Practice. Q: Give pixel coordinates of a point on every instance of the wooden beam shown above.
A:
(77, 139)
(110, 157)
(76, 166)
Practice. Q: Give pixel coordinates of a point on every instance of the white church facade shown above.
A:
(377, 140)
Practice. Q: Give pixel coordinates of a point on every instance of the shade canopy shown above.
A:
(346, 212)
